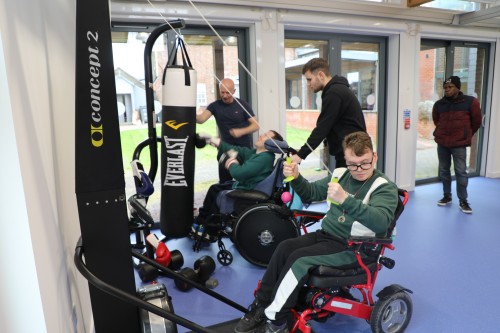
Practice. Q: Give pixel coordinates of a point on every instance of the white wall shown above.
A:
(18, 281)
(37, 203)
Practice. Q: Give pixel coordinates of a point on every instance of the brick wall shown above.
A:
(306, 120)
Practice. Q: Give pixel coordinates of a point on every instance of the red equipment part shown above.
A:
(163, 255)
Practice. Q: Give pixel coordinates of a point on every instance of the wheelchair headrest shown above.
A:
(274, 180)
(278, 146)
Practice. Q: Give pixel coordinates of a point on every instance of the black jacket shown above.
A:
(340, 115)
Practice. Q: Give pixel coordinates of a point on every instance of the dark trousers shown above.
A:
(289, 267)
(459, 156)
(337, 161)
(340, 161)
(210, 204)
(224, 175)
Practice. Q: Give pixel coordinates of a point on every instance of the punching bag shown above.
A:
(178, 133)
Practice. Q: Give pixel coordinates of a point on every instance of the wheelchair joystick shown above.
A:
(387, 262)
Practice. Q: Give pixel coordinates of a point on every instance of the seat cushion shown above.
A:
(250, 195)
(328, 276)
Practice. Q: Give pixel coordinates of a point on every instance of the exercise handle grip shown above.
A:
(334, 180)
(289, 178)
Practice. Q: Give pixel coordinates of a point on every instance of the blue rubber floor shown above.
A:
(447, 258)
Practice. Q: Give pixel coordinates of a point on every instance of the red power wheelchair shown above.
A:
(327, 290)
(261, 227)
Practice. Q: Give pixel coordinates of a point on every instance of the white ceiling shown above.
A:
(487, 14)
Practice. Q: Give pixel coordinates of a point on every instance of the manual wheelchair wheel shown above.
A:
(392, 314)
(260, 229)
(224, 257)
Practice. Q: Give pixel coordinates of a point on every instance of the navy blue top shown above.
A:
(230, 116)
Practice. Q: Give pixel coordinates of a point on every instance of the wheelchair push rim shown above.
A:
(260, 229)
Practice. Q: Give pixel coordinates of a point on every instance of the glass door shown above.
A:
(361, 65)
(212, 58)
(432, 76)
(469, 63)
(439, 60)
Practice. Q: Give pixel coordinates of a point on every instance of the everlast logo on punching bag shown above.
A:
(96, 130)
(173, 124)
(175, 175)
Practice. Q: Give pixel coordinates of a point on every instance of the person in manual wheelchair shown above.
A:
(247, 166)
(362, 201)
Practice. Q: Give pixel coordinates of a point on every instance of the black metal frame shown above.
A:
(137, 301)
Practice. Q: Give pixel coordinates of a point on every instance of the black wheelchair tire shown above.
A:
(260, 229)
(224, 257)
(392, 313)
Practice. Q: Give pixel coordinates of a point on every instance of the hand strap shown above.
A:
(172, 61)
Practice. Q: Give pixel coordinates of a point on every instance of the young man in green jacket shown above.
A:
(247, 166)
(362, 202)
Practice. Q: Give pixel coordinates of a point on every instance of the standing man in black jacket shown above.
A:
(340, 114)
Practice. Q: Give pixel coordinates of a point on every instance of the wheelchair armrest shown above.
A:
(369, 239)
(308, 213)
(252, 195)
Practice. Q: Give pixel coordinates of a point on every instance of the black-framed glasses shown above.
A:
(363, 166)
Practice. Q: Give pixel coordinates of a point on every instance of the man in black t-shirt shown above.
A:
(235, 120)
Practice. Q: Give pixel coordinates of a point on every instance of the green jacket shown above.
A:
(368, 211)
(253, 167)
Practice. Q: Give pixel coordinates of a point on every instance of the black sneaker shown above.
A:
(269, 327)
(445, 200)
(464, 207)
(252, 320)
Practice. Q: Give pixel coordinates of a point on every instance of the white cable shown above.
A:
(242, 65)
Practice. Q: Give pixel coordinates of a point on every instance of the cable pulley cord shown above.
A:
(223, 42)
(241, 64)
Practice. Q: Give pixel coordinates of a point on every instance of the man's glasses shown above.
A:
(363, 166)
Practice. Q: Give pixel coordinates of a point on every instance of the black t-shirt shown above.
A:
(230, 116)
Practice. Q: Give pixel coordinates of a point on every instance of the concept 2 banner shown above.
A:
(99, 181)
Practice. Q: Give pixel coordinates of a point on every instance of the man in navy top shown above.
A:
(235, 120)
